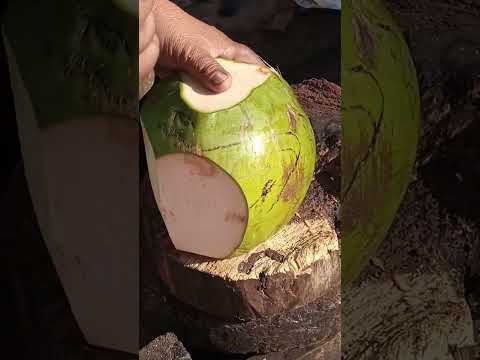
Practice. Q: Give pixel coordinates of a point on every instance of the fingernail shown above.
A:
(146, 84)
(219, 78)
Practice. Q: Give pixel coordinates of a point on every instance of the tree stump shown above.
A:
(285, 293)
(410, 303)
(323, 351)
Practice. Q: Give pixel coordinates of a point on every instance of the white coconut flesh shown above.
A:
(88, 168)
(245, 78)
(203, 208)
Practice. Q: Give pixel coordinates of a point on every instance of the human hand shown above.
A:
(189, 45)
(148, 45)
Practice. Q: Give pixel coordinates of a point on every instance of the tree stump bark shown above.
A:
(284, 294)
(165, 347)
(325, 351)
(410, 303)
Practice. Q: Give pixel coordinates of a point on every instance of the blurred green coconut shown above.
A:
(381, 116)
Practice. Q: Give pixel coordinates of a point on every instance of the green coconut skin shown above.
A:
(380, 120)
(265, 142)
(77, 58)
(129, 6)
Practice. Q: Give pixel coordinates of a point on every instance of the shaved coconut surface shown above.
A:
(245, 78)
(203, 208)
(89, 166)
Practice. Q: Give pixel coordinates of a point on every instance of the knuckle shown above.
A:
(209, 67)
(198, 59)
(204, 65)
(244, 49)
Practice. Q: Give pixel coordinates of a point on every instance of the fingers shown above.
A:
(146, 32)
(148, 46)
(205, 69)
(146, 84)
(242, 53)
(146, 64)
(148, 58)
(145, 7)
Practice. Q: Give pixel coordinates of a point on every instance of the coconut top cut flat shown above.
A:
(245, 78)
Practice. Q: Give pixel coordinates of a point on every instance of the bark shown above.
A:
(329, 350)
(165, 347)
(410, 302)
(314, 323)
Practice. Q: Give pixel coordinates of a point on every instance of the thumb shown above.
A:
(207, 71)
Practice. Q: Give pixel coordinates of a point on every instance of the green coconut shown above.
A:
(77, 58)
(129, 6)
(380, 119)
(229, 169)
